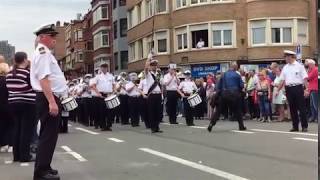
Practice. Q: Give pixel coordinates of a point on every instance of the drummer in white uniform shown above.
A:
(134, 94)
(104, 86)
(84, 93)
(186, 89)
(94, 101)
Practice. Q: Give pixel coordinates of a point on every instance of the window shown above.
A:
(124, 59)
(115, 60)
(149, 8)
(130, 19)
(78, 35)
(132, 52)
(101, 39)
(80, 57)
(281, 31)
(122, 2)
(161, 6)
(123, 27)
(181, 3)
(139, 13)
(258, 30)
(115, 29)
(199, 35)
(198, 1)
(182, 39)
(115, 4)
(161, 40)
(140, 49)
(100, 13)
(302, 31)
(222, 34)
(104, 11)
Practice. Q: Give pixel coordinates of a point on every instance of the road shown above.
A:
(267, 151)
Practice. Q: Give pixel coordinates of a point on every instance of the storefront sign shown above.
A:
(203, 70)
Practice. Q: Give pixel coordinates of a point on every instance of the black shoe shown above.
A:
(158, 131)
(210, 127)
(294, 130)
(304, 130)
(31, 159)
(242, 128)
(47, 176)
(106, 129)
(191, 124)
(174, 123)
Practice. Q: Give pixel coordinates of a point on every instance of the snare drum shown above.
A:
(194, 100)
(112, 101)
(69, 104)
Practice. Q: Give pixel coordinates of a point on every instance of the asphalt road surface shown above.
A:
(267, 151)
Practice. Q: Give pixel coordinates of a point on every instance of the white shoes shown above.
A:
(10, 149)
(6, 149)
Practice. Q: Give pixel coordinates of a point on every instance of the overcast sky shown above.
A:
(19, 18)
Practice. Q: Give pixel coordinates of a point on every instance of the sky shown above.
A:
(19, 18)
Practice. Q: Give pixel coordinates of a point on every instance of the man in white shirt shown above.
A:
(123, 97)
(154, 95)
(186, 89)
(104, 85)
(49, 82)
(143, 106)
(134, 94)
(200, 44)
(294, 76)
(84, 93)
(171, 83)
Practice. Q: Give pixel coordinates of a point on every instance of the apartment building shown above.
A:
(120, 42)
(246, 31)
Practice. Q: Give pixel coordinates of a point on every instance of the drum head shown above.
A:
(67, 100)
(110, 97)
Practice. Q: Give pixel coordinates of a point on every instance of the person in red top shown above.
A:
(313, 88)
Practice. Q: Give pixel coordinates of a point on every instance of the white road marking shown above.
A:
(198, 127)
(8, 162)
(194, 165)
(244, 132)
(74, 154)
(284, 132)
(116, 140)
(24, 164)
(87, 131)
(305, 139)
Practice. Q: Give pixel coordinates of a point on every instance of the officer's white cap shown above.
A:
(87, 75)
(154, 61)
(288, 52)
(46, 29)
(187, 72)
(133, 76)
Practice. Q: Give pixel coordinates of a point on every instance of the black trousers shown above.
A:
(188, 111)
(231, 99)
(154, 111)
(84, 111)
(297, 104)
(172, 101)
(143, 110)
(24, 121)
(104, 116)
(95, 111)
(6, 126)
(64, 124)
(48, 133)
(134, 110)
(124, 109)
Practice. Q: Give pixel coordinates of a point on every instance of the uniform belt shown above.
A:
(293, 85)
(155, 93)
(105, 94)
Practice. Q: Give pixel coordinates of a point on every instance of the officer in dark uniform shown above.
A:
(50, 85)
(229, 89)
